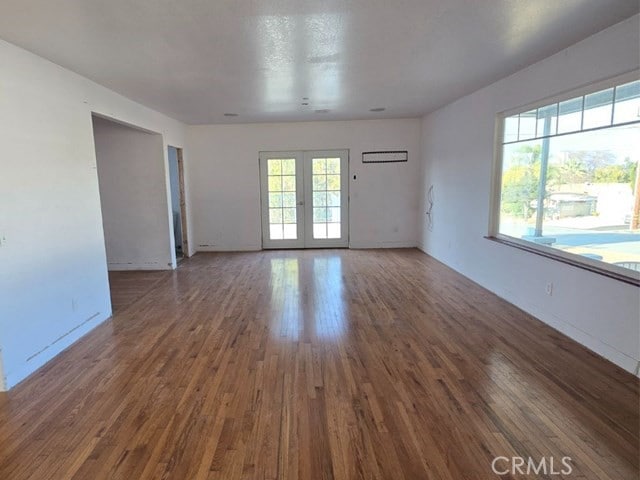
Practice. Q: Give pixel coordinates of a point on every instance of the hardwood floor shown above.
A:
(129, 287)
(317, 364)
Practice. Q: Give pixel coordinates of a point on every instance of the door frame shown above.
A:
(183, 205)
(304, 207)
(183, 202)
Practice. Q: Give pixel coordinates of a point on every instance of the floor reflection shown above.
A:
(285, 298)
(329, 306)
(307, 298)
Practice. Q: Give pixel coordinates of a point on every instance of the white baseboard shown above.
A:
(235, 248)
(118, 267)
(366, 245)
(257, 248)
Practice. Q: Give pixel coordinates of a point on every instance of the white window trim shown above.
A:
(596, 266)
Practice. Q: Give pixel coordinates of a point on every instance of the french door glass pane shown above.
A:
(289, 183)
(319, 183)
(319, 230)
(326, 198)
(282, 199)
(333, 182)
(275, 200)
(289, 200)
(275, 231)
(333, 165)
(275, 215)
(333, 199)
(320, 199)
(333, 214)
(290, 231)
(319, 166)
(289, 166)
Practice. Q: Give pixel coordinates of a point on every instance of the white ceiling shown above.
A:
(194, 60)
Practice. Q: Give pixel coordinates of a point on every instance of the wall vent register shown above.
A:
(389, 156)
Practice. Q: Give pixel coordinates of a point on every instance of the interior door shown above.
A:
(304, 199)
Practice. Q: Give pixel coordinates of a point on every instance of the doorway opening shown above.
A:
(305, 200)
(178, 204)
(132, 182)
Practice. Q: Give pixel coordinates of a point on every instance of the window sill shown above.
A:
(610, 271)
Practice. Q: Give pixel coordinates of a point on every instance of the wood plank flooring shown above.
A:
(317, 364)
(129, 287)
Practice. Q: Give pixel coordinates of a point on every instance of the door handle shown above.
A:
(300, 202)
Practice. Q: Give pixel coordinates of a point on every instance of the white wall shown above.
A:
(133, 197)
(53, 275)
(225, 188)
(458, 149)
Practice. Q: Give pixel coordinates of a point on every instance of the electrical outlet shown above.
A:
(549, 289)
(3, 241)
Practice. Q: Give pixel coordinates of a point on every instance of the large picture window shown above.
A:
(569, 179)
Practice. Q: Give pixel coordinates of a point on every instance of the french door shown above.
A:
(305, 199)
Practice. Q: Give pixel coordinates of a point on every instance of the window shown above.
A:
(569, 180)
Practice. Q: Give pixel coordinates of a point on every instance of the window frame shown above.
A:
(596, 266)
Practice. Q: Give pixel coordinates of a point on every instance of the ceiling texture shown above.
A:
(298, 60)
